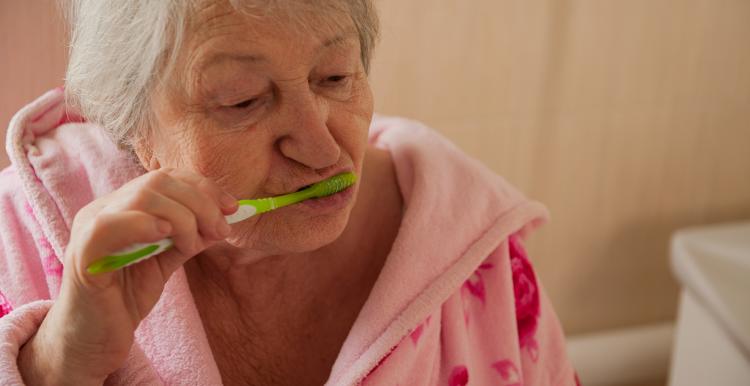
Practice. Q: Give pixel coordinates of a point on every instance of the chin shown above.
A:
(284, 235)
(313, 234)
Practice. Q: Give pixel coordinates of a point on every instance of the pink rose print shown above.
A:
(5, 307)
(381, 361)
(508, 372)
(417, 333)
(50, 262)
(526, 296)
(29, 211)
(459, 376)
(475, 286)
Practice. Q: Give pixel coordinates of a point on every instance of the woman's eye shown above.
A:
(244, 104)
(336, 79)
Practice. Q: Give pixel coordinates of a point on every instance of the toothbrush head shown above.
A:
(249, 208)
(333, 185)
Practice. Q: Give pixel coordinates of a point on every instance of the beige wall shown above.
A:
(32, 55)
(629, 119)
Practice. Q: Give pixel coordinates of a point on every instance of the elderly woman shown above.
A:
(415, 275)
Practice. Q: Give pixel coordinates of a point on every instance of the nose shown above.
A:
(305, 136)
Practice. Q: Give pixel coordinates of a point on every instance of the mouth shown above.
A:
(311, 182)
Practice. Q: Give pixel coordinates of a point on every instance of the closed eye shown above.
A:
(244, 104)
(336, 78)
(336, 81)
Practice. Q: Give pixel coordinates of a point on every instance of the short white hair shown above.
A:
(119, 51)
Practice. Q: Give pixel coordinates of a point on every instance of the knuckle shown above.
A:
(186, 242)
(207, 189)
(100, 225)
(186, 222)
(141, 199)
(192, 223)
(206, 184)
(186, 246)
(207, 209)
(80, 219)
(158, 178)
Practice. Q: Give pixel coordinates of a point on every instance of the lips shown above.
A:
(308, 182)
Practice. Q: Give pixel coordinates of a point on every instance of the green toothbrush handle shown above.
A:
(142, 251)
(131, 255)
(263, 205)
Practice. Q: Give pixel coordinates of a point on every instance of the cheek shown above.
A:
(173, 149)
(238, 162)
(352, 120)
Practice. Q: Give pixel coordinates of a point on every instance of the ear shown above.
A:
(145, 153)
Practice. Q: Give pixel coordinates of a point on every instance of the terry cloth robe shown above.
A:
(457, 301)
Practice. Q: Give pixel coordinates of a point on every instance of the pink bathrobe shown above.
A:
(457, 301)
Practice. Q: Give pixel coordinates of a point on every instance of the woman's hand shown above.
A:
(89, 330)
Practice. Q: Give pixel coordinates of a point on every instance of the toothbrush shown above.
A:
(247, 208)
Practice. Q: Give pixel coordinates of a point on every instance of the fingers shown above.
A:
(184, 222)
(193, 204)
(200, 195)
(225, 201)
(109, 232)
(182, 205)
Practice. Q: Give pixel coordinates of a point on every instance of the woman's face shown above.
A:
(263, 108)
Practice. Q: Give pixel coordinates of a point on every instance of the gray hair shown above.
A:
(120, 50)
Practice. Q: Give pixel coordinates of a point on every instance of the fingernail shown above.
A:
(227, 201)
(163, 226)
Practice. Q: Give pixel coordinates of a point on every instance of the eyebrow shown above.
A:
(226, 56)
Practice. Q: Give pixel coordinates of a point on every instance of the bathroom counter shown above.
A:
(712, 344)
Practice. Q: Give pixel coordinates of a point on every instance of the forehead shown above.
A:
(283, 21)
(218, 30)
